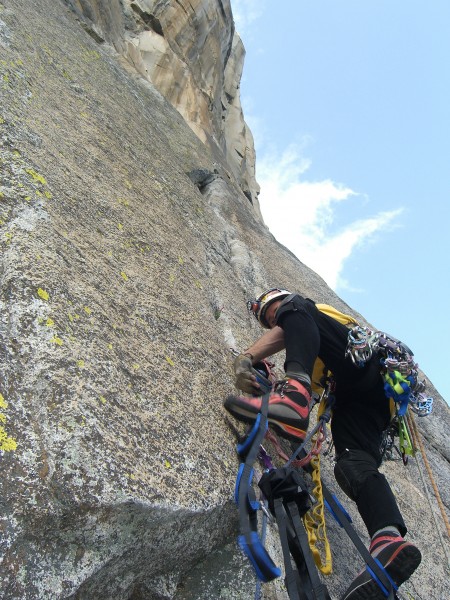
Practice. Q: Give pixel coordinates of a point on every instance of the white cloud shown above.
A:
(245, 12)
(301, 213)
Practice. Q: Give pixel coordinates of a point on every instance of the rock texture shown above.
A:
(190, 51)
(128, 249)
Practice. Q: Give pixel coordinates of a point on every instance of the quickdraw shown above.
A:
(360, 345)
(398, 368)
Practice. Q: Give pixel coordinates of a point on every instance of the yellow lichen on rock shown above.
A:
(36, 176)
(7, 443)
(43, 294)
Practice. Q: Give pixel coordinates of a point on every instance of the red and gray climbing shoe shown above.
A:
(399, 558)
(288, 413)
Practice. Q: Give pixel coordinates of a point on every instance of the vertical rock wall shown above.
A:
(127, 252)
(190, 51)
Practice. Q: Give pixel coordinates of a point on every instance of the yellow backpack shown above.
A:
(319, 368)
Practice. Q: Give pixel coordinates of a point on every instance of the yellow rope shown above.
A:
(314, 521)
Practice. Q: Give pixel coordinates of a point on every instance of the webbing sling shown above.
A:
(319, 590)
(375, 568)
(292, 578)
(249, 540)
(304, 582)
(293, 541)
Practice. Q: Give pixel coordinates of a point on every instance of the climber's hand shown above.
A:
(245, 379)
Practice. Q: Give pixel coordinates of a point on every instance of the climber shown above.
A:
(360, 414)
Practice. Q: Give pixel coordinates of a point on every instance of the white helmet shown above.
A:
(259, 306)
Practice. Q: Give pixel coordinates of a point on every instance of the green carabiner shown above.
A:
(405, 443)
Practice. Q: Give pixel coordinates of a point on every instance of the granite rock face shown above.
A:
(127, 251)
(191, 53)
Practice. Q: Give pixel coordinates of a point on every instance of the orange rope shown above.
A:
(315, 450)
(418, 440)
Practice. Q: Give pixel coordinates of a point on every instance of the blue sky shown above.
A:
(349, 105)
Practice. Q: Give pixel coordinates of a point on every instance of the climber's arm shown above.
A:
(270, 343)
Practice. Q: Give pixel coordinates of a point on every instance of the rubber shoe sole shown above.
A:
(400, 566)
(285, 416)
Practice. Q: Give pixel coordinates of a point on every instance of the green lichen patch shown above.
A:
(7, 443)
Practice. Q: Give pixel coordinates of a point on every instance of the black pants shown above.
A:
(361, 412)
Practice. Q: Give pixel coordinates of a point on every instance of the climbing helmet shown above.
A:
(259, 306)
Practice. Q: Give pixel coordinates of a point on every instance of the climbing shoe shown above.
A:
(399, 558)
(288, 413)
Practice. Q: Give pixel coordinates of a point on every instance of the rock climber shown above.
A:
(360, 415)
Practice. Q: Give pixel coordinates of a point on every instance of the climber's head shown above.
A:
(260, 306)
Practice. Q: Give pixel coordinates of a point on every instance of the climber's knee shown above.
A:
(352, 469)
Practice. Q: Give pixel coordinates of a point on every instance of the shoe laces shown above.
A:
(282, 387)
